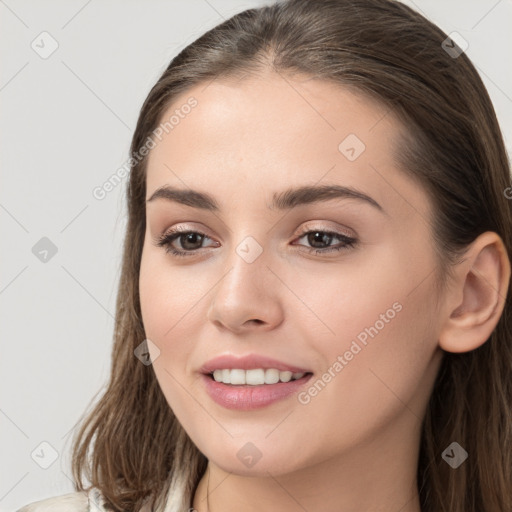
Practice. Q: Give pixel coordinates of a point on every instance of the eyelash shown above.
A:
(166, 240)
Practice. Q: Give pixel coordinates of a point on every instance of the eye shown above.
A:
(189, 240)
(318, 239)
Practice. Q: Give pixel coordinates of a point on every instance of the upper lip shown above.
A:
(248, 362)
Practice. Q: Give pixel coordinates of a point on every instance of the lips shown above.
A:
(249, 362)
(247, 398)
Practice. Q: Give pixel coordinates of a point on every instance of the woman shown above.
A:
(313, 308)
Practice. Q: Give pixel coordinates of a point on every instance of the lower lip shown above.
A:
(247, 398)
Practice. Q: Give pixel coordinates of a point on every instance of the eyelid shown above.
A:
(318, 225)
(182, 228)
(176, 231)
(169, 236)
(311, 225)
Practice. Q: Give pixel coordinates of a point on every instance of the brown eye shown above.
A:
(189, 242)
(320, 241)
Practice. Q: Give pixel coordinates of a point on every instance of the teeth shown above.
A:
(254, 377)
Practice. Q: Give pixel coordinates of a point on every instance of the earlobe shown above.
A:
(483, 281)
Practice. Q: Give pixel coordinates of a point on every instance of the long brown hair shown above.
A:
(130, 446)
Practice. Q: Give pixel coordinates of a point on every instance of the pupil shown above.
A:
(190, 238)
(319, 237)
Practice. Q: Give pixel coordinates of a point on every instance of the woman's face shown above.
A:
(262, 280)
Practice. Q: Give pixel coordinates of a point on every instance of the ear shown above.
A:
(477, 297)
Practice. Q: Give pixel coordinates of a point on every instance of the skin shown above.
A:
(355, 445)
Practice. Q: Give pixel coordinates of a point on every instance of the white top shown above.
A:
(86, 501)
(91, 501)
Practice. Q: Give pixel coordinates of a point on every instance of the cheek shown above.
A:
(376, 310)
(385, 380)
(168, 296)
(379, 355)
(367, 292)
(167, 301)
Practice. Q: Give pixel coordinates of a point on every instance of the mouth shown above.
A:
(254, 376)
(252, 381)
(253, 389)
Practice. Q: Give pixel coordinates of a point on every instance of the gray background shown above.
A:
(66, 126)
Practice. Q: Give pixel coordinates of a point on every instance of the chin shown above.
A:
(256, 462)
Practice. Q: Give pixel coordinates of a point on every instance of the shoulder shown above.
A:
(72, 502)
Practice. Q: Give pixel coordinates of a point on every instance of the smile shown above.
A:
(254, 377)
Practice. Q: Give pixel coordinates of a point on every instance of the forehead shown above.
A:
(278, 112)
(267, 133)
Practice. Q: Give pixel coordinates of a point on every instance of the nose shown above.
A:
(247, 297)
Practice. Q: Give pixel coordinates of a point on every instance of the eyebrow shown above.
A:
(285, 200)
